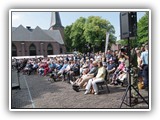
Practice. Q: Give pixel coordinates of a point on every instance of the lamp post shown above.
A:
(103, 45)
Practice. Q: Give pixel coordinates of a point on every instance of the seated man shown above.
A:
(52, 66)
(28, 68)
(61, 71)
(67, 69)
(85, 78)
(35, 66)
(111, 67)
(41, 68)
(74, 70)
(56, 67)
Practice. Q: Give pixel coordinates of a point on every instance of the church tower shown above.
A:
(56, 23)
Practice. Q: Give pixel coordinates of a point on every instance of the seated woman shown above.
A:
(122, 76)
(99, 77)
(118, 71)
(84, 66)
(46, 68)
(61, 71)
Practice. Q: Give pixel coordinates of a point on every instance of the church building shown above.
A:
(27, 41)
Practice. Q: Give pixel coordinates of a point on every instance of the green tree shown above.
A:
(77, 34)
(68, 40)
(123, 42)
(95, 32)
(89, 34)
(143, 28)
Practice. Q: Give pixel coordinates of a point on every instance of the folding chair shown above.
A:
(103, 83)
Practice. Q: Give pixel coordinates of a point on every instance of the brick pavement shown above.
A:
(41, 93)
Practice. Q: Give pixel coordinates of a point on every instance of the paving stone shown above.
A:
(44, 94)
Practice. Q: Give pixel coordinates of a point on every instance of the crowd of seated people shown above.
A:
(89, 69)
(68, 67)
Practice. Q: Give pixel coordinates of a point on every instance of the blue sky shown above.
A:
(43, 19)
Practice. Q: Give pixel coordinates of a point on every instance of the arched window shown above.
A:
(14, 50)
(49, 49)
(32, 50)
(61, 50)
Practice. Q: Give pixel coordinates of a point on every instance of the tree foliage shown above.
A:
(143, 28)
(89, 34)
(68, 40)
(77, 34)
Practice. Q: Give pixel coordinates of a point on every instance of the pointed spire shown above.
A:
(55, 20)
(56, 23)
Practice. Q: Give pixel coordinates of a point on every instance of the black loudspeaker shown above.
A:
(128, 24)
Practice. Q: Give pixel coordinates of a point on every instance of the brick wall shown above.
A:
(41, 48)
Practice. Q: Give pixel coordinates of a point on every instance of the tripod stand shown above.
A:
(128, 89)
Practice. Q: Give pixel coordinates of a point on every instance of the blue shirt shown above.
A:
(64, 67)
(58, 66)
(108, 56)
(111, 66)
(144, 57)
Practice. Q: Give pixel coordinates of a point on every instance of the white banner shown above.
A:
(107, 39)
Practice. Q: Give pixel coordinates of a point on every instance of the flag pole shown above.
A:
(107, 39)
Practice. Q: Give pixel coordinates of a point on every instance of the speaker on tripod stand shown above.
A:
(128, 28)
(128, 24)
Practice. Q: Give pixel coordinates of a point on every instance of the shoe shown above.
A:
(115, 83)
(72, 83)
(122, 84)
(75, 88)
(112, 83)
(86, 92)
(75, 85)
(96, 93)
